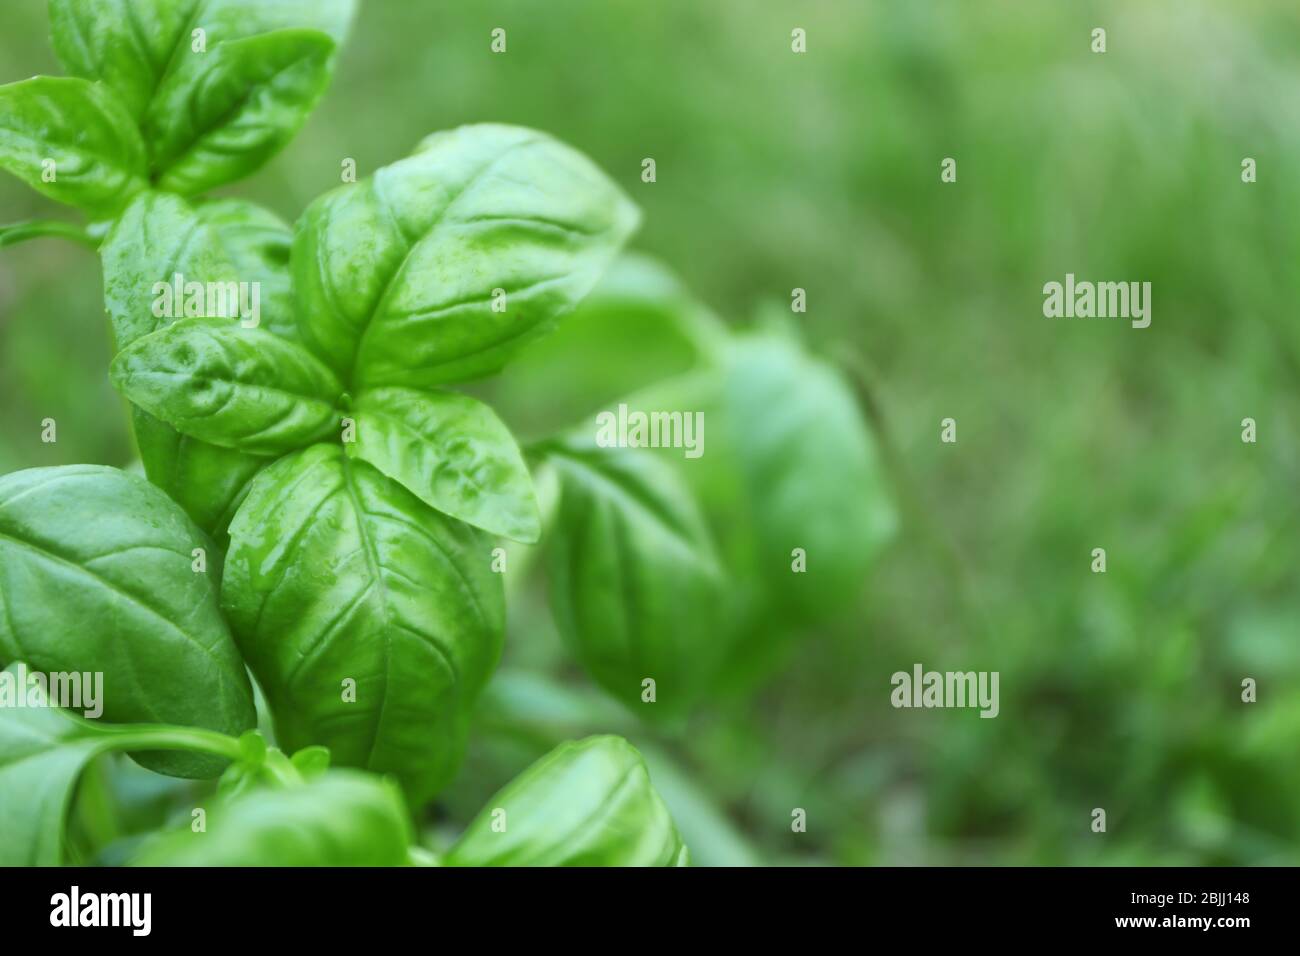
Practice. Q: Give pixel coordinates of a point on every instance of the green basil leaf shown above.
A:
(43, 751)
(248, 99)
(239, 388)
(586, 803)
(159, 237)
(453, 453)
(395, 275)
(127, 44)
(96, 575)
(807, 471)
(206, 480)
(73, 141)
(340, 579)
(340, 818)
(534, 712)
(146, 51)
(257, 242)
(635, 586)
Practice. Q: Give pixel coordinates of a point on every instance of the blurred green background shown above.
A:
(821, 171)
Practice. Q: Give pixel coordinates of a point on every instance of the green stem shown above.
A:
(161, 737)
(17, 232)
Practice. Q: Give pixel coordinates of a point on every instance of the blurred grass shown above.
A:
(822, 171)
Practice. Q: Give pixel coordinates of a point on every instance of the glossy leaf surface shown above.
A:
(453, 453)
(338, 579)
(245, 389)
(96, 575)
(586, 803)
(440, 266)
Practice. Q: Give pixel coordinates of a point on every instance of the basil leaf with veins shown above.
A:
(249, 98)
(336, 573)
(453, 452)
(636, 590)
(96, 575)
(127, 44)
(80, 127)
(400, 277)
(257, 243)
(217, 86)
(158, 237)
(239, 388)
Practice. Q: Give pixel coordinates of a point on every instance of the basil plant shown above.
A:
(301, 599)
